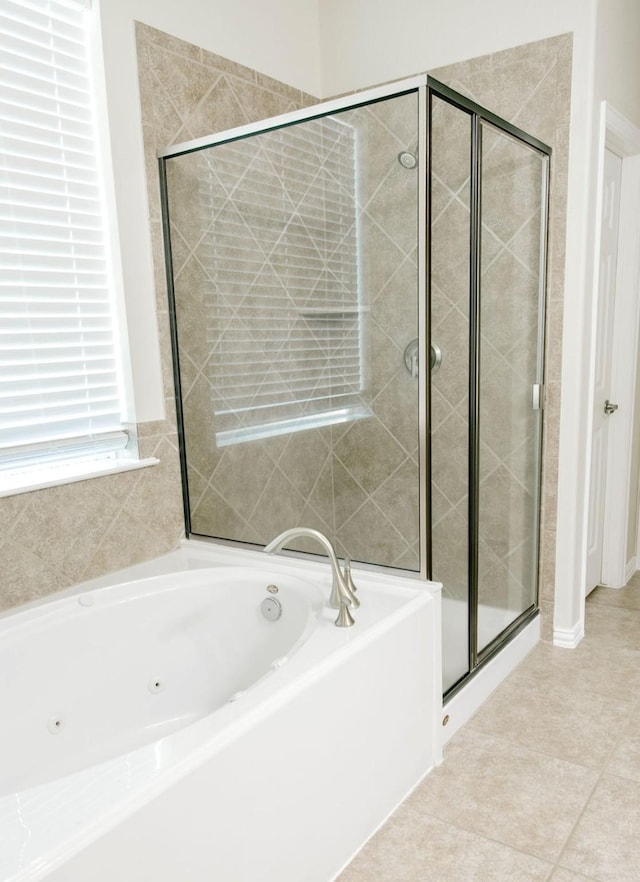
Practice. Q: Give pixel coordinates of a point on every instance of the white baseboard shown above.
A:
(631, 569)
(568, 638)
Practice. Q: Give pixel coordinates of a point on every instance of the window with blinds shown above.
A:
(60, 387)
(281, 249)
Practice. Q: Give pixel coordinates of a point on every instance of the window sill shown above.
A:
(66, 473)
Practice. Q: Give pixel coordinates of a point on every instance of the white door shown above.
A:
(604, 343)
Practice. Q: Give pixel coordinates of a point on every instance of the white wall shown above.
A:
(617, 56)
(279, 38)
(369, 41)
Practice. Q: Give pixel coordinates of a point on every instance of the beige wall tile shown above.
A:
(25, 576)
(449, 456)
(395, 311)
(451, 333)
(546, 619)
(148, 37)
(398, 498)
(213, 516)
(369, 535)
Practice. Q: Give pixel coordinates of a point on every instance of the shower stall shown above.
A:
(357, 304)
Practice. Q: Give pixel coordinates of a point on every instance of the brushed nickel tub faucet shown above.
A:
(342, 588)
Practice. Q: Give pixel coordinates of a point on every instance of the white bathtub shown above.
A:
(163, 729)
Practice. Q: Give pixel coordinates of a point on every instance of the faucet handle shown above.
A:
(348, 580)
(347, 575)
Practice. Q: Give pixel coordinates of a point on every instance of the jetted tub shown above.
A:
(212, 723)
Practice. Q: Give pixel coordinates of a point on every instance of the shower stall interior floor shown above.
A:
(543, 783)
(491, 622)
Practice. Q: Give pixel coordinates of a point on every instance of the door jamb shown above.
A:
(622, 138)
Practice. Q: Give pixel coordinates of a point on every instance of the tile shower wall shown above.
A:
(187, 93)
(239, 303)
(375, 465)
(529, 86)
(267, 311)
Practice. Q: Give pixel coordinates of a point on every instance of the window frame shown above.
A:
(51, 470)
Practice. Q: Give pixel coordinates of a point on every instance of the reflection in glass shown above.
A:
(295, 281)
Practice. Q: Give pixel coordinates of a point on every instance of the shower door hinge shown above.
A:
(537, 396)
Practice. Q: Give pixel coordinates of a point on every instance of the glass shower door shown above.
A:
(486, 259)
(513, 212)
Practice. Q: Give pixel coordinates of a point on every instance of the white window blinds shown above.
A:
(59, 375)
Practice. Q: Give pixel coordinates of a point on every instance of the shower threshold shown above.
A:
(466, 700)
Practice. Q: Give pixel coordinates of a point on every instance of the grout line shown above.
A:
(599, 778)
(484, 836)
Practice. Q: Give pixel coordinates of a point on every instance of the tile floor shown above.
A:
(543, 784)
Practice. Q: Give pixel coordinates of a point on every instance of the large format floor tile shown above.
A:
(562, 875)
(544, 782)
(625, 761)
(627, 598)
(416, 848)
(594, 665)
(612, 626)
(516, 796)
(606, 842)
(567, 721)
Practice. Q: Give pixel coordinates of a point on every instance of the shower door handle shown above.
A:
(537, 396)
(610, 408)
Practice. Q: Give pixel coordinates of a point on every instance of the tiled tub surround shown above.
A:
(53, 538)
(295, 276)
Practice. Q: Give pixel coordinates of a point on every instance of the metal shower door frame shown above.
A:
(425, 87)
(416, 84)
(479, 116)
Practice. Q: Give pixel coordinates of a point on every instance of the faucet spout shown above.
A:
(342, 595)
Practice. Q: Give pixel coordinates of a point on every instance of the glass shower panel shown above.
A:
(296, 294)
(450, 254)
(511, 297)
